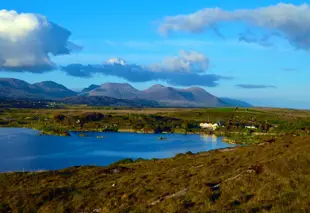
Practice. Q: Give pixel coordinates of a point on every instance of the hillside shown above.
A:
(53, 89)
(109, 101)
(115, 90)
(236, 103)
(166, 96)
(18, 89)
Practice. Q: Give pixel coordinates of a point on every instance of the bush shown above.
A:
(59, 117)
(124, 161)
(92, 116)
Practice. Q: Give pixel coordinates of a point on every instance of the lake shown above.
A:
(25, 150)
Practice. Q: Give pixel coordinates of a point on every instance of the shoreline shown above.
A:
(233, 138)
(235, 174)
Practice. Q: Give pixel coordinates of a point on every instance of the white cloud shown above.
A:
(14, 26)
(190, 61)
(286, 20)
(116, 61)
(26, 40)
(187, 69)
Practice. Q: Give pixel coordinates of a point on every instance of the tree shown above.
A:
(185, 126)
(266, 127)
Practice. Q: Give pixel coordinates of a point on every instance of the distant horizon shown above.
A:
(233, 98)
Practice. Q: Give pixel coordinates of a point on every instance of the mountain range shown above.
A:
(165, 96)
(118, 94)
(18, 89)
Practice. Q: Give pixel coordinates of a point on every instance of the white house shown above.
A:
(209, 126)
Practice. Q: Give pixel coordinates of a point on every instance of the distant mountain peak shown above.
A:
(50, 84)
(116, 61)
(157, 86)
(118, 85)
(196, 89)
(90, 88)
(94, 85)
(115, 90)
(43, 90)
(124, 84)
(13, 82)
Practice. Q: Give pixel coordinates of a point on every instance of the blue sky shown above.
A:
(129, 30)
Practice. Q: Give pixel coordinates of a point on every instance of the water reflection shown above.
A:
(212, 140)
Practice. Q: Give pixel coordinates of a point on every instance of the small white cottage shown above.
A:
(209, 126)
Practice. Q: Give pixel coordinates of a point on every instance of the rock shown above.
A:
(180, 193)
(124, 196)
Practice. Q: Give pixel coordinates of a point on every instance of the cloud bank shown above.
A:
(186, 69)
(26, 40)
(286, 20)
(190, 61)
(255, 86)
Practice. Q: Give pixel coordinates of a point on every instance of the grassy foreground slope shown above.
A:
(271, 177)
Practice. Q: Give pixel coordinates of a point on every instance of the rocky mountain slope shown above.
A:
(18, 89)
(166, 96)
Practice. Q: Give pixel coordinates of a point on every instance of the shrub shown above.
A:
(59, 117)
(92, 116)
(124, 161)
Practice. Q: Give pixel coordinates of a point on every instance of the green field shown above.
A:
(83, 118)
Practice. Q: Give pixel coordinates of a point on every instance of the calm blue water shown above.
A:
(23, 149)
